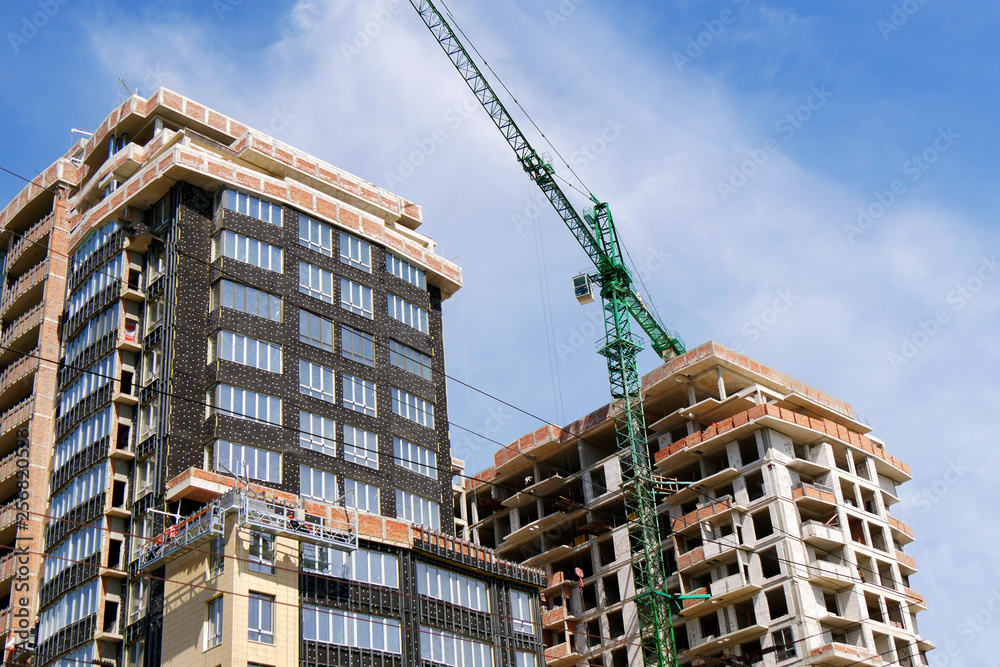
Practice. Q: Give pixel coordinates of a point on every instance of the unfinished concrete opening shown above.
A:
(895, 613)
(598, 482)
(589, 597)
(868, 502)
(709, 625)
(606, 552)
(874, 608)
(744, 615)
(749, 452)
(755, 486)
(619, 658)
(616, 624)
(762, 526)
(857, 529)
(885, 575)
(594, 636)
(770, 566)
(751, 649)
(878, 537)
(716, 462)
(840, 458)
(725, 492)
(831, 602)
(612, 592)
(777, 603)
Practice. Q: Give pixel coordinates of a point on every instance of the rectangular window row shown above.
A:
(245, 299)
(452, 587)
(417, 509)
(362, 565)
(348, 628)
(410, 360)
(247, 250)
(233, 458)
(252, 206)
(407, 313)
(414, 457)
(248, 351)
(403, 269)
(412, 407)
(246, 404)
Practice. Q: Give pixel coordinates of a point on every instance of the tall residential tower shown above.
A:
(776, 507)
(223, 414)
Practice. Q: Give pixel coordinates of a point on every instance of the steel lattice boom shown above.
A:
(595, 231)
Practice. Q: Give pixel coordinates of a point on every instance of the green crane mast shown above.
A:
(595, 231)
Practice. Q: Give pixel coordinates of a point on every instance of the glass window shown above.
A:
(449, 586)
(355, 252)
(252, 206)
(261, 552)
(403, 269)
(784, 642)
(317, 380)
(348, 628)
(453, 650)
(213, 636)
(247, 250)
(357, 345)
(315, 330)
(525, 659)
(359, 395)
(413, 407)
(317, 484)
(316, 282)
(407, 313)
(261, 620)
(364, 565)
(414, 457)
(409, 359)
(245, 404)
(356, 298)
(246, 299)
(417, 509)
(361, 496)
(360, 447)
(521, 612)
(317, 433)
(217, 557)
(248, 351)
(235, 459)
(315, 235)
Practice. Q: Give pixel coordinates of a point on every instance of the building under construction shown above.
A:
(223, 418)
(775, 506)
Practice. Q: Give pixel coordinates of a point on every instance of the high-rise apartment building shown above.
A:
(223, 415)
(776, 506)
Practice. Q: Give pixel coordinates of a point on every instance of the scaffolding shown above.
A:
(253, 511)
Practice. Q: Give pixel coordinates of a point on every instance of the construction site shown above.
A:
(225, 440)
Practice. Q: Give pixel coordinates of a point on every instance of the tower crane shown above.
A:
(595, 231)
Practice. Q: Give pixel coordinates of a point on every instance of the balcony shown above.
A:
(25, 292)
(814, 497)
(835, 574)
(8, 474)
(821, 535)
(17, 337)
(27, 246)
(809, 460)
(907, 565)
(557, 617)
(533, 530)
(17, 376)
(561, 655)
(708, 511)
(731, 588)
(746, 631)
(17, 415)
(901, 533)
(532, 492)
(914, 598)
(687, 493)
(836, 654)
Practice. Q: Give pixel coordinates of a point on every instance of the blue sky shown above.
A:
(739, 142)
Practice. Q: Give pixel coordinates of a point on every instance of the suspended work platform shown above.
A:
(253, 512)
